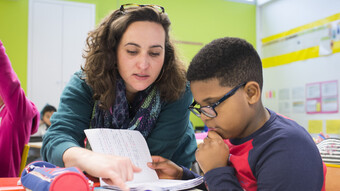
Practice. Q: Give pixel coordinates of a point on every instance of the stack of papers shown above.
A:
(131, 144)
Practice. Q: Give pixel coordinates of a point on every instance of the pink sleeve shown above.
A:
(11, 92)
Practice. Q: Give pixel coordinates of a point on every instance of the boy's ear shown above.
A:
(253, 92)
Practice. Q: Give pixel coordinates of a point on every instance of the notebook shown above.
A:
(131, 144)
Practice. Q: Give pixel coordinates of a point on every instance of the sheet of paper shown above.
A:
(125, 143)
(315, 126)
(162, 185)
(131, 144)
(333, 126)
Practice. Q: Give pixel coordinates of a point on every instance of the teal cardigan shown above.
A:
(173, 137)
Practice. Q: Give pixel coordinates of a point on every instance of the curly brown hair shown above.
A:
(101, 56)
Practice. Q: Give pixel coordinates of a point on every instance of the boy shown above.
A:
(263, 150)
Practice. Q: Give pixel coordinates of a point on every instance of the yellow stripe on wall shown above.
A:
(302, 28)
(303, 54)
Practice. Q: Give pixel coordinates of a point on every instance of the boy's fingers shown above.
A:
(157, 159)
(214, 135)
(155, 165)
(158, 164)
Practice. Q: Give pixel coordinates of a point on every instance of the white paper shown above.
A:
(298, 93)
(131, 144)
(284, 94)
(126, 143)
(313, 91)
(330, 104)
(311, 105)
(329, 89)
(325, 46)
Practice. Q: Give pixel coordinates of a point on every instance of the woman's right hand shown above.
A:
(114, 170)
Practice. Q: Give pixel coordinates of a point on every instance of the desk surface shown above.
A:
(10, 184)
(35, 144)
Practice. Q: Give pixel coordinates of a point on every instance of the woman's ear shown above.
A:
(253, 92)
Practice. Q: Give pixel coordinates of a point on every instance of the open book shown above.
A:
(131, 144)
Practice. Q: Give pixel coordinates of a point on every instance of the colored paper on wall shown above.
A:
(315, 126)
(333, 126)
(298, 106)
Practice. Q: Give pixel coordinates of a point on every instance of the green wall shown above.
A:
(197, 21)
(14, 34)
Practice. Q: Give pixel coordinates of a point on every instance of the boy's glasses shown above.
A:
(209, 110)
(132, 5)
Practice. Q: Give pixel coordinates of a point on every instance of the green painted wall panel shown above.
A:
(14, 34)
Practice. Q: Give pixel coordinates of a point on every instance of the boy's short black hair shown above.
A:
(231, 60)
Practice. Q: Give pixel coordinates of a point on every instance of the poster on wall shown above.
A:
(322, 97)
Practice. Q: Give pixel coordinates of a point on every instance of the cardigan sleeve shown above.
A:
(69, 122)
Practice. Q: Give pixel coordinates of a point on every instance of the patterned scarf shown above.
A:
(141, 115)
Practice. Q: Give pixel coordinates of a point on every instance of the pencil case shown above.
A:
(44, 176)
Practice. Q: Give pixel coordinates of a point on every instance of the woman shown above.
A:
(132, 79)
(19, 118)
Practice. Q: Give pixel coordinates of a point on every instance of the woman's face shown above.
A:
(141, 55)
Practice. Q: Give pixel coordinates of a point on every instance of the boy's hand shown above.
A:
(165, 168)
(212, 153)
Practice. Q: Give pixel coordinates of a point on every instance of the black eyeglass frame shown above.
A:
(122, 9)
(199, 111)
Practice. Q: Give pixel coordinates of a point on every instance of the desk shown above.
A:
(37, 145)
(333, 177)
(10, 184)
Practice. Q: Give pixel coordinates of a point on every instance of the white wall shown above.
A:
(57, 34)
(280, 16)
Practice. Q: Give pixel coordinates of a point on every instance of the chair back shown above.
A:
(24, 158)
(333, 177)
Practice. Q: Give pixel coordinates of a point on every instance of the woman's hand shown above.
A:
(165, 168)
(212, 153)
(114, 170)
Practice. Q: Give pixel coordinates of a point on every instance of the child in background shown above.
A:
(18, 118)
(45, 122)
(46, 114)
(248, 147)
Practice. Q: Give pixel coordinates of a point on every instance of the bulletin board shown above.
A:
(302, 74)
(322, 97)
